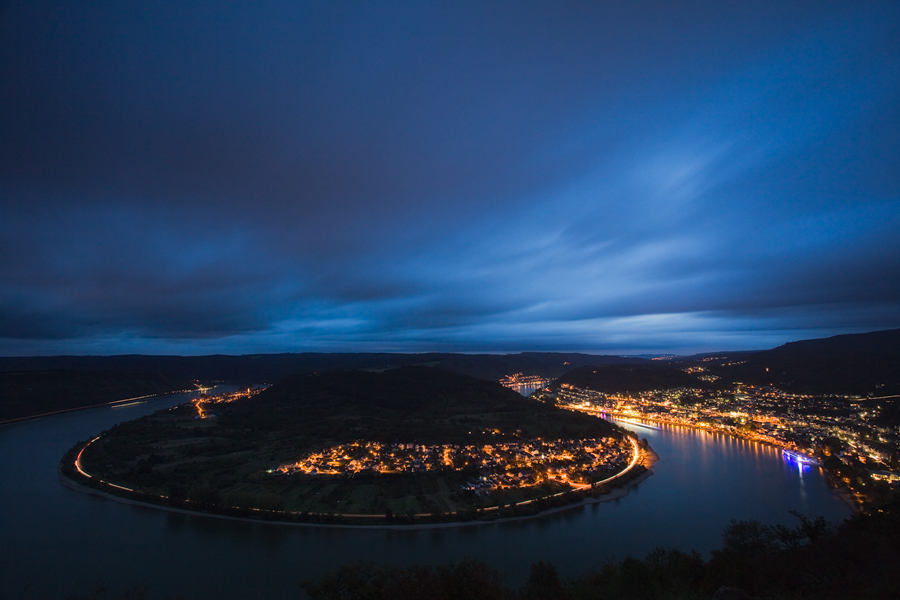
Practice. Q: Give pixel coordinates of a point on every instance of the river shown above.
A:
(57, 541)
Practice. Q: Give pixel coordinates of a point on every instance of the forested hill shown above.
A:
(630, 378)
(421, 404)
(866, 363)
(272, 368)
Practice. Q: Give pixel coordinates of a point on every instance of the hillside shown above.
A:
(272, 368)
(630, 378)
(866, 363)
(414, 404)
(29, 393)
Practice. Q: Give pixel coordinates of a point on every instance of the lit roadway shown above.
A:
(86, 474)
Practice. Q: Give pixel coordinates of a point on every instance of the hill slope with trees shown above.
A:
(409, 404)
(865, 363)
(272, 368)
(630, 378)
(29, 393)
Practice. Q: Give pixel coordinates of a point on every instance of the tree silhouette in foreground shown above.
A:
(858, 559)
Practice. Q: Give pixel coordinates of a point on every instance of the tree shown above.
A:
(748, 537)
(543, 583)
(205, 496)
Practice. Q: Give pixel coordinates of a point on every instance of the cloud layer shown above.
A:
(640, 178)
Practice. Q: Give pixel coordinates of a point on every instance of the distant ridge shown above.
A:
(629, 378)
(873, 343)
(272, 368)
(862, 363)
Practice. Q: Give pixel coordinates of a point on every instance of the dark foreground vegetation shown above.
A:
(30, 393)
(857, 560)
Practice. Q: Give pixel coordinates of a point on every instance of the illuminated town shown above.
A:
(204, 403)
(503, 464)
(518, 380)
(836, 430)
(822, 426)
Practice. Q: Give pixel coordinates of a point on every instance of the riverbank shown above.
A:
(112, 404)
(843, 493)
(837, 487)
(646, 458)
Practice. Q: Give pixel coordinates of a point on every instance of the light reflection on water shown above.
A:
(701, 482)
(525, 390)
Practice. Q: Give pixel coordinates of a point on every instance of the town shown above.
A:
(519, 380)
(500, 465)
(837, 430)
(205, 401)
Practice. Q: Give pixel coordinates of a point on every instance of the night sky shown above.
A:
(610, 177)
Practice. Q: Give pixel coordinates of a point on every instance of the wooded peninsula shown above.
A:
(399, 445)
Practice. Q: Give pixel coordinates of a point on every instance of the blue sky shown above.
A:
(194, 178)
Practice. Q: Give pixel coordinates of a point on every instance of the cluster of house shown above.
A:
(205, 401)
(502, 463)
(518, 380)
(761, 413)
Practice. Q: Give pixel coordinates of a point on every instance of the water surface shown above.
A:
(56, 541)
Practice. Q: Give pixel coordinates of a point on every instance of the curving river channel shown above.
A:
(57, 541)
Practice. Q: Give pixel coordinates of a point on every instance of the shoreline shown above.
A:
(101, 405)
(839, 491)
(843, 493)
(650, 458)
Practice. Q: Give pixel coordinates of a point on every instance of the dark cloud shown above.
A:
(194, 178)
